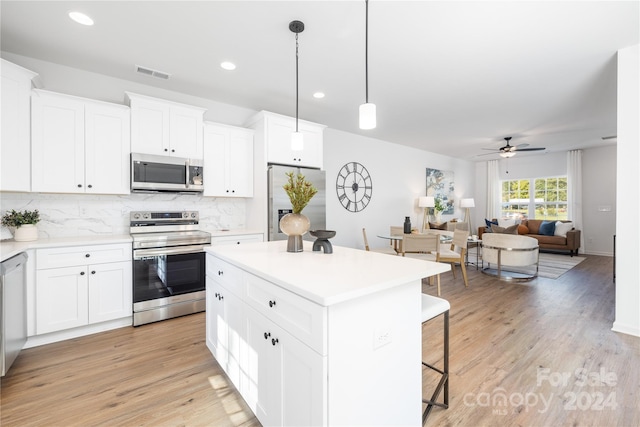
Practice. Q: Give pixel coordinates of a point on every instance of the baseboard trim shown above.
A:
(626, 329)
(38, 340)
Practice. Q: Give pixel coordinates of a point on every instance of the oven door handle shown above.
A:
(145, 253)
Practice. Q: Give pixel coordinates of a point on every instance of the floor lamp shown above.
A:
(467, 204)
(426, 202)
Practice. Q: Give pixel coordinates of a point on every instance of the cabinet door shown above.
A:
(15, 167)
(286, 379)
(215, 160)
(264, 370)
(239, 165)
(149, 127)
(57, 144)
(228, 156)
(110, 291)
(61, 299)
(278, 134)
(312, 155)
(107, 147)
(217, 328)
(185, 132)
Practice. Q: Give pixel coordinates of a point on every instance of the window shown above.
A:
(537, 198)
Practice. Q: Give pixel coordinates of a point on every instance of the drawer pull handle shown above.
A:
(274, 341)
(93, 272)
(82, 273)
(267, 335)
(216, 295)
(87, 255)
(220, 297)
(220, 273)
(272, 303)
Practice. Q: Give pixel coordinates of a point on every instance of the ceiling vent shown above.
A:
(152, 72)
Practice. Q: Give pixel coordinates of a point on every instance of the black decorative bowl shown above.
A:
(322, 234)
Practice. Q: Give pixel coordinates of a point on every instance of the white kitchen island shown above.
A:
(319, 339)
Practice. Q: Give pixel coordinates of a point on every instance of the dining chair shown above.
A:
(396, 230)
(386, 250)
(455, 253)
(422, 246)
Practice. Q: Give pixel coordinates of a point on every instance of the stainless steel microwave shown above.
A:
(151, 173)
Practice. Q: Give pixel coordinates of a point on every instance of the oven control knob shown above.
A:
(185, 214)
(136, 216)
(146, 215)
(193, 214)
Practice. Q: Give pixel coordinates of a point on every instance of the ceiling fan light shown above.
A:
(367, 116)
(297, 141)
(507, 154)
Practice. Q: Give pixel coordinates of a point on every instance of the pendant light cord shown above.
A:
(366, 52)
(296, 82)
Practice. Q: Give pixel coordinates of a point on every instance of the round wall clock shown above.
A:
(354, 187)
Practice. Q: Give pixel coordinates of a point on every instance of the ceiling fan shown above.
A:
(510, 150)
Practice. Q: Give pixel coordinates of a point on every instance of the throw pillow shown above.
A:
(547, 228)
(513, 229)
(442, 226)
(507, 222)
(562, 228)
(489, 224)
(523, 229)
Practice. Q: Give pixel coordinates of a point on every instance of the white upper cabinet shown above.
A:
(275, 131)
(79, 145)
(228, 159)
(15, 148)
(165, 128)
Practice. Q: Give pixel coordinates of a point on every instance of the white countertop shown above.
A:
(9, 248)
(326, 279)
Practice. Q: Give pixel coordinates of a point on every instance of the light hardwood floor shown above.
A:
(535, 354)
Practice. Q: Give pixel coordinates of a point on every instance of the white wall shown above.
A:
(628, 234)
(399, 178)
(599, 183)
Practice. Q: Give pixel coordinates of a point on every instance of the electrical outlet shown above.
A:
(381, 337)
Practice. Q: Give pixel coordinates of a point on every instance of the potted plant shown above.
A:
(294, 225)
(23, 224)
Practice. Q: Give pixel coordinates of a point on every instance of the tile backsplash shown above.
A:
(69, 215)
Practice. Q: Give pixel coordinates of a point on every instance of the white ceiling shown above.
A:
(449, 77)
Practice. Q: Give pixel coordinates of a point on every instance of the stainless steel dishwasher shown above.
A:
(13, 317)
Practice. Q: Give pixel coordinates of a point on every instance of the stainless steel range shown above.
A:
(168, 265)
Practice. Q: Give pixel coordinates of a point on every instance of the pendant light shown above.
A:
(367, 110)
(297, 141)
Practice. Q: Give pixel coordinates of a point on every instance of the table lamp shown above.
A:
(466, 204)
(426, 202)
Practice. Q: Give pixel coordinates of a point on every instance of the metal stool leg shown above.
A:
(444, 380)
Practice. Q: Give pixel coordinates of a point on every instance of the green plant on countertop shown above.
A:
(14, 218)
(299, 190)
(439, 206)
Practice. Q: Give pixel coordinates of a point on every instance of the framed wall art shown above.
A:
(441, 186)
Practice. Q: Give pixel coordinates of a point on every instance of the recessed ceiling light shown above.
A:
(228, 65)
(80, 18)
(318, 95)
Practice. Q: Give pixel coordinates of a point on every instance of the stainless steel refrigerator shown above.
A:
(280, 205)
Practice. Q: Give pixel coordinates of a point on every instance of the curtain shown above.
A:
(493, 189)
(574, 190)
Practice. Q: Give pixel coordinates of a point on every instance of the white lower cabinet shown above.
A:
(282, 379)
(78, 286)
(285, 377)
(226, 340)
